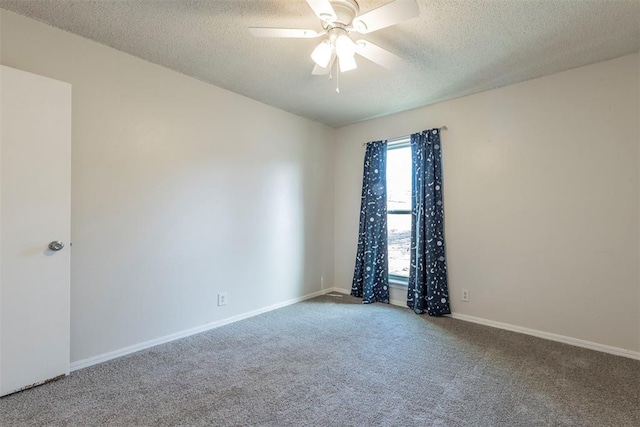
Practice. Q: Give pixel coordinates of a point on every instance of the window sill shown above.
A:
(398, 283)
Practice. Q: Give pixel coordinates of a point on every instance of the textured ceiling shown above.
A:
(453, 48)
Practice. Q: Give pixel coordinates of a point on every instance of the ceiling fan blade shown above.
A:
(289, 33)
(319, 71)
(387, 15)
(323, 10)
(377, 54)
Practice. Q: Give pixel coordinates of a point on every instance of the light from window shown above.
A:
(399, 209)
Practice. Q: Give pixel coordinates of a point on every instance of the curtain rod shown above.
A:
(400, 138)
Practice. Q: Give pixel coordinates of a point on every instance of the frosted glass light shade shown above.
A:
(321, 55)
(347, 63)
(345, 46)
(346, 49)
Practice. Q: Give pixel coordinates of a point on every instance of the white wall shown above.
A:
(180, 190)
(541, 201)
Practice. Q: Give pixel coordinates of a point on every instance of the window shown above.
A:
(399, 209)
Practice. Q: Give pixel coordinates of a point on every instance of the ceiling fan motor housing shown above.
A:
(345, 11)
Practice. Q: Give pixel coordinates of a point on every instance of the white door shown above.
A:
(35, 195)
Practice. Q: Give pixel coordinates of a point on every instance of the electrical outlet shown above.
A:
(222, 298)
(465, 295)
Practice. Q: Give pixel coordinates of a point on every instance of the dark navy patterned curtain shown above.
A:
(371, 275)
(428, 289)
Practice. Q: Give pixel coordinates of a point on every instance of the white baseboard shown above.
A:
(549, 336)
(80, 364)
(341, 291)
(533, 332)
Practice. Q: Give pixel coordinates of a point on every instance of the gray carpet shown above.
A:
(332, 361)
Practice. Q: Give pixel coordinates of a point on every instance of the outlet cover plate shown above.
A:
(222, 298)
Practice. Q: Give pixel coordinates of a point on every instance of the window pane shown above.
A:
(399, 235)
(399, 199)
(399, 179)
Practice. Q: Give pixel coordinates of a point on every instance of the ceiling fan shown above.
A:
(340, 19)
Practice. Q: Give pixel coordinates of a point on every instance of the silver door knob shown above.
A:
(56, 245)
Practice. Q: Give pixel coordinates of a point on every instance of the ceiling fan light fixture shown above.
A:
(345, 47)
(321, 55)
(347, 63)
